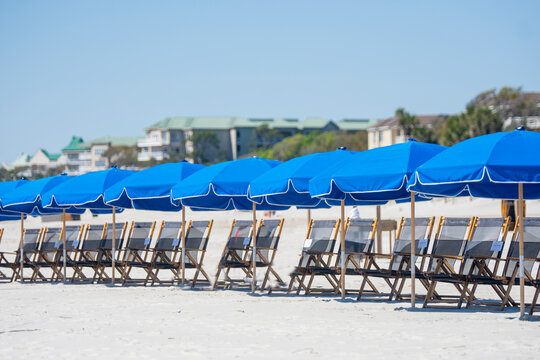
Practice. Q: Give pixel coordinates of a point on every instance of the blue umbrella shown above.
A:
(379, 174)
(87, 192)
(27, 199)
(503, 165)
(288, 183)
(5, 188)
(150, 189)
(225, 186)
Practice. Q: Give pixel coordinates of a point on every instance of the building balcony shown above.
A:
(152, 142)
(146, 156)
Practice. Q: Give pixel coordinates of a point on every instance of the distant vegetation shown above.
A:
(298, 145)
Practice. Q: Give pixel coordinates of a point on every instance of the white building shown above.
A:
(236, 136)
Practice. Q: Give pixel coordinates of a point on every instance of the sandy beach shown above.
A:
(90, 321)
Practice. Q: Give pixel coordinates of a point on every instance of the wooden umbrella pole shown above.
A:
(21, 247)
(64, 265)
(183, 239)
(254, 248)
(113, 255)
(521, 253)
(378, 240)
(308, 216)
(413, 253)
(342, 255)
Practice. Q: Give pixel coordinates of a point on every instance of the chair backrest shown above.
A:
(73, 236)
(31, 238)
(240, 235)
(321, 238)
(487, 241)
(531, 246)
(402, 246)
(359, 235)
(93, 237)
(120, 232)
(197, 236)
(51, 240)
(169, 236)
(268, 235)
(140, 235)
(450, 240)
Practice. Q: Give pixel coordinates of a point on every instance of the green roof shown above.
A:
(113, 141)
(225, 123)
(52, 157)
(315, 123)
(355, 124)
(76, 144)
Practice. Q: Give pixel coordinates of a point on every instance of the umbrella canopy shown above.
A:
(9, 217)
(288, 183)
(150, 189)
(379, 174)
(26, 198)
(84, 191)
(487, 166)
(224, 186)
(5, 188)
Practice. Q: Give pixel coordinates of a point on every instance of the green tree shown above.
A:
(265, 137)
(475, 121)
(407, 121)
(121, 156)
(205, 147)
(299, 144)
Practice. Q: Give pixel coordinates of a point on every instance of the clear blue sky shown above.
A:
(99, 68)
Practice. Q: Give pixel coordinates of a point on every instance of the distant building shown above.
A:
(78, 160)
(236, 135)
(21, 161)
(388, 131)
(82, 157)
(98, 147)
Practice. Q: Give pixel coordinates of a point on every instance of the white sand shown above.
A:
(90, 321)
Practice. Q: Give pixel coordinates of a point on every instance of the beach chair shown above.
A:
(448, 248)
(137, 249)
(268, 235)
(510, 273)
(197, 235)
(398, 269)
(359, 241)
(532, 239)
(31, 242)
(481, 258)
(167, 254)
(235, 255)
(316, 252)
(104, 256)
(47, 254)
(2, 275)
(87, 254)
(74, 236)
(50, 253)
